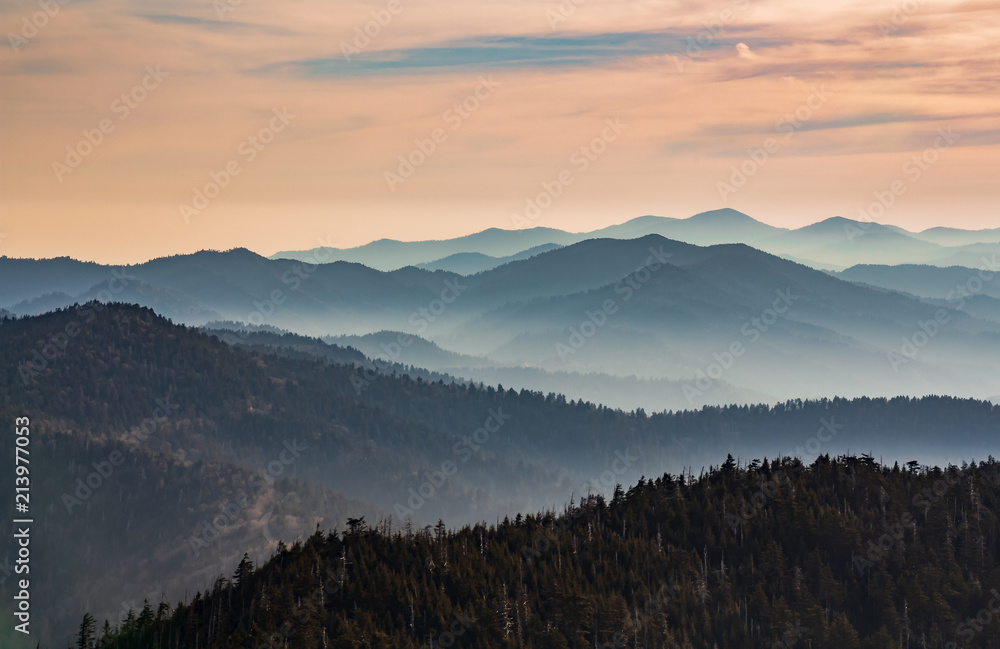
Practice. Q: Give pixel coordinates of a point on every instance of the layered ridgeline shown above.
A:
(975, 291)
(161, 454)
(834, 243)
(649, 322)
(841, 554)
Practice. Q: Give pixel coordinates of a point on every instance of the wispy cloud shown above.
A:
(860, 120)
(214, 25)
(32, 67)
(505, 52)
(697, 84)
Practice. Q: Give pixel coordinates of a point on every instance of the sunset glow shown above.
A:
(486, 102)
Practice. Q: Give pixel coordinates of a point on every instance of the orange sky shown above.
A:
(694, 86)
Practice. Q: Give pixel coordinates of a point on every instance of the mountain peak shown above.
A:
(840, 222)
(725, 214)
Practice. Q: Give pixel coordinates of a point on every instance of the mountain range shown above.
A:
(649, 322)
(196, 408)
(833, 244)
(163, 454)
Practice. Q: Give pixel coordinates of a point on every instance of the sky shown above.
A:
(138, 129)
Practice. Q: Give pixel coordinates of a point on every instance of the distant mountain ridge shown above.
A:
(471, 263)
(834, 244)
(646, 309)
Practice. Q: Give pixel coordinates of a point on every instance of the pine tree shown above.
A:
(85, 639)
(243, 572)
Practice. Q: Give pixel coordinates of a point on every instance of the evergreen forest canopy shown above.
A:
(844, 553)
(374, 432)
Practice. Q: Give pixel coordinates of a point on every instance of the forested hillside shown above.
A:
(327, 435)
(117, 524)
(715, 325)
(841, 554)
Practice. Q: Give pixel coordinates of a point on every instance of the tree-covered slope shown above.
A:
(196, 418)
(842, 554)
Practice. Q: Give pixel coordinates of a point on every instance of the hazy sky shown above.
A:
(693, 86)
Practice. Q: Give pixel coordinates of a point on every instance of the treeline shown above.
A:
(842, 554)
(194, 417)
(110, 364)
